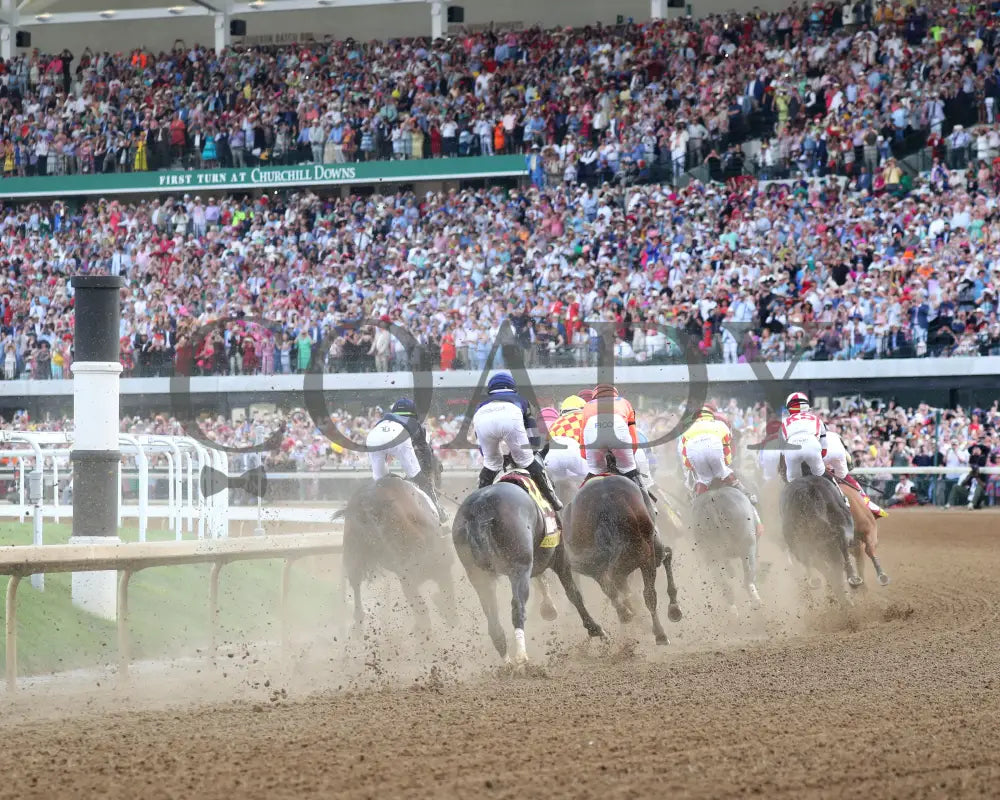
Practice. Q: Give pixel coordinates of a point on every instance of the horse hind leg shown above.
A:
(548, 608)
(673, 610)
(520, 586)
(418, 604)
(560, 565)
(649, 595)
(871, 549)
(485, 585)
(615, 591)
(750, 574)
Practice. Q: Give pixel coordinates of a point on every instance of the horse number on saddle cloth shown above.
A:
(523, 479)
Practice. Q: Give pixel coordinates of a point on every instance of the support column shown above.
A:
(8, 31)
(96, 455)
(222, 39)
(657, 9)
(438, 11)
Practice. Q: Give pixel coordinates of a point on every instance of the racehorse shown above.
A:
(390, 524)
(819, 530)
(500, 530)
(609, 535)
(723, 525)
(865, 533)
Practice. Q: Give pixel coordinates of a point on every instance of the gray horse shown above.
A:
(499, 530)
(390, 524)
(723, 524)
(819, 530)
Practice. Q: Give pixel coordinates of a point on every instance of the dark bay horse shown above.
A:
(390, 525)
(723, 524)
(609, 535)
(819, 530)
(500, 530)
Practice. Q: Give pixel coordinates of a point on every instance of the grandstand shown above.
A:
(276, 206)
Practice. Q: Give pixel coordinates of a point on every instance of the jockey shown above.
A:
(836, 461)
(706, 448)
(609, 427)
(563, 462)
(506, 417)
(805, 429)
(769, 458)
(413, 452)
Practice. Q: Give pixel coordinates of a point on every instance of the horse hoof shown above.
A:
(548, 611)
(662, 639)
(597, 632)
(855, 582)
(883, 579)
(674, 612)
(814, 582)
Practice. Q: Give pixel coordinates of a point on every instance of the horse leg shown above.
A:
(856, 555)
(649, 595)
(750, 573)
(673, 610)
(444, 600)
(548, 608)
(417, 603)
(520, 585)
(613, 589)
(485, 584)
(359, 609)
(871, 547)
(560, 565)
(850, 565)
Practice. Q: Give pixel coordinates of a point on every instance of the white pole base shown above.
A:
(96, 592)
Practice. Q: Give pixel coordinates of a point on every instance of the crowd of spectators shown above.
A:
(880, 264)
(822, 87)
(876, 434)
(227, 285)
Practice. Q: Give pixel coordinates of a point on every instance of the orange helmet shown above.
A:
(605, 390)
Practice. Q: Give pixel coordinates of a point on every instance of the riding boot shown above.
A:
(833, 479)
(876, 509)
(423, 481)
(487, 476)
(636, 478)
(541, 479)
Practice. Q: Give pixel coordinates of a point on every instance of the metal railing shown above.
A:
(129, 558)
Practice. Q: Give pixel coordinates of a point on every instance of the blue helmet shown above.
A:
(500, 382)
(404, 405)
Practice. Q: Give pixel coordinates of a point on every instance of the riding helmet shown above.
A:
(572, 403)
(605, 390)
(404, 405)
(586, 395)
(502, 381)
(548, 415)
(797, 401)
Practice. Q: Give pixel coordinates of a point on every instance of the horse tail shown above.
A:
(478, 535)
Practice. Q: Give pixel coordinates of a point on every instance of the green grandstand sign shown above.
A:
(266, 177)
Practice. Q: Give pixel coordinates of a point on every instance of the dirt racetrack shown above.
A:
(897, 697)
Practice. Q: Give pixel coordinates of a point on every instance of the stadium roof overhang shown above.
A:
(16, 14)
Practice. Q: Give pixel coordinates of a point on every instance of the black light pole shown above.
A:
(96, 455)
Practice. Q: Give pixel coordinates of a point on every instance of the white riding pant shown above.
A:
(769, 461)
(382, 435)
(810, 452)
(836, 456)
(565, 463)
(502, 422)
(707, 457)
(608, 433)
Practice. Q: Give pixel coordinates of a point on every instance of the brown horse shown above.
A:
(865, 532)
(608, 535)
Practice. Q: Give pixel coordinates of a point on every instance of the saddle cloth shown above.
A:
(520, 477)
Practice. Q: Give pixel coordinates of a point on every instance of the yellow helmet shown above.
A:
(572, 403)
